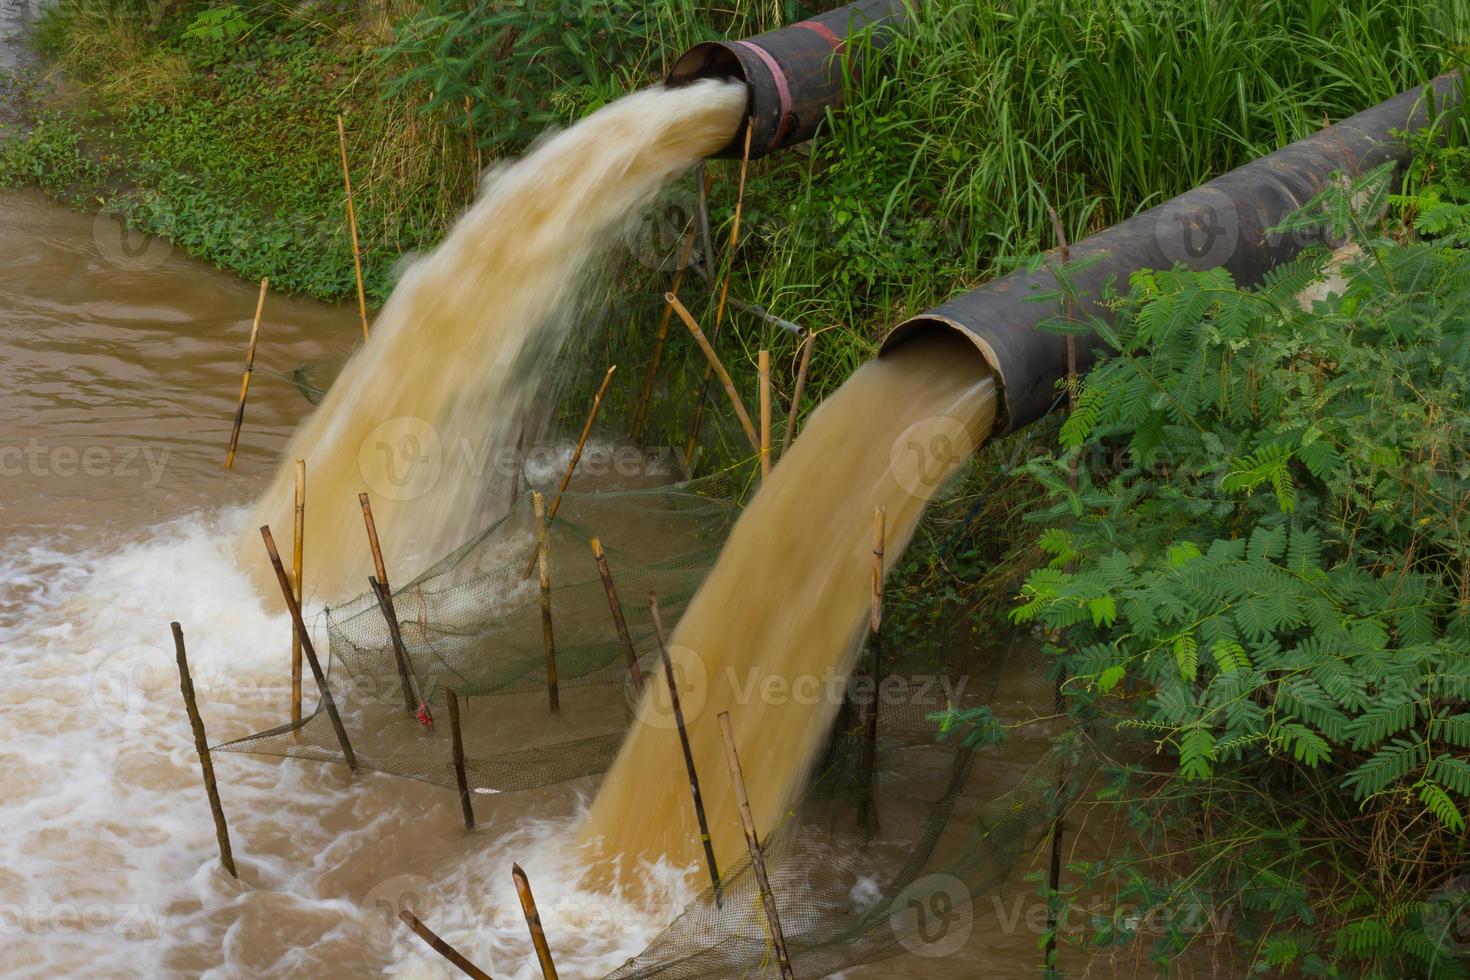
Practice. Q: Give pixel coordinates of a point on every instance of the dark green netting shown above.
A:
(953, 824)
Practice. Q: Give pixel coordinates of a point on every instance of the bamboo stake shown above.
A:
(460, 777)
(617, 614)
(442, 948)
(384, 592)
(806, 360)
(533, 922)
(307, 647)
(245, 378)
(724, 292)
(352, 223)
(566, 479)
(298, 553)
(717, 367)
(869, 807)
(395, 638)
(201, 746)
(543, 557)
(704, 834)
(752, 840)
(763, 372)
(663, 332)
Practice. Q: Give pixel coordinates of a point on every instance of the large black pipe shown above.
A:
(793, 75)
(1222, 223)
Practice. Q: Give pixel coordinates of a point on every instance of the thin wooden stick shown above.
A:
(724, 295)
(752, 840)
(460, 776)
(201, 746)
(704, 834)
(869, 804)
(543, 557)
(384, 591)
(806, 360)
(650, 375)
(617, 614)
(395, 639)
(533, 922)
(718, 368)
(245, 378)
(442, 948)
(307, 647)
(352, 223)
(566, 478)
(763, 373)
(298, 571)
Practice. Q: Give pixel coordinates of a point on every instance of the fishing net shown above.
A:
(866, 866)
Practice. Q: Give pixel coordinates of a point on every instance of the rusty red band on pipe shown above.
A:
(822, 31)
(782, 88)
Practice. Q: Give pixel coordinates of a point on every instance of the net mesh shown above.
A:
(950, 829)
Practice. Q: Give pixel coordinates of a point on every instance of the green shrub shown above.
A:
(1262, 575)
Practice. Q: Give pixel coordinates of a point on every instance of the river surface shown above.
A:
(121, 363)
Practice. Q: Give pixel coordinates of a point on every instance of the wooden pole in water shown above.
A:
(384, 593)
(806, 360)
(352, 224)
(460, 776)
(617, 614)
(307, 647)
(875, 639)
(662, 335)
(704, 834)
(395, 639)
(724, 293)
(543, 557)
(201, 746)
(298, 572)
(717, 367)
(442, 948)
(566, 478)
(752, 840)
(533, 922)
(245, 378)
(763, 370)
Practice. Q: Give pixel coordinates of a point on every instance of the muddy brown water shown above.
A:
(120, 361)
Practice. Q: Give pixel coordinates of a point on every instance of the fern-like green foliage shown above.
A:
(1277, 570)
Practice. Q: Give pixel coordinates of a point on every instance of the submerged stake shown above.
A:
(868, 805)
(459, 773)
(201, 746)
(753, 841)
(543, 556)
(704, 836)
(245, 378)
(572, 466)
(307, 647)
(442, 948)
(298, 553)
(533, 922)
(617, 614)
(384, 593)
